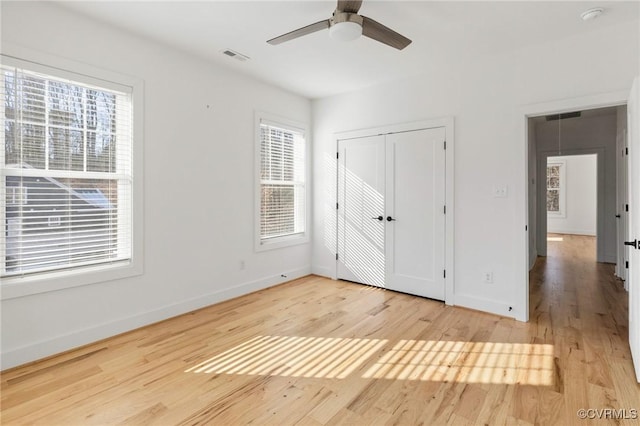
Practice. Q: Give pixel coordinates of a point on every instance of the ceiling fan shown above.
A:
(346, 24)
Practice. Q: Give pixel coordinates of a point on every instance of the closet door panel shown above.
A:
(361, 236)
(415, 194)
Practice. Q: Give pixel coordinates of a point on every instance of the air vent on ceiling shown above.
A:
(235, 55)
(554, 117)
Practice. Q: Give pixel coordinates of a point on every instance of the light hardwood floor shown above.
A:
(315, 351)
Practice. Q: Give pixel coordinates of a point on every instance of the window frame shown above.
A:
(286, 240)
(54, 66)
(562, 186)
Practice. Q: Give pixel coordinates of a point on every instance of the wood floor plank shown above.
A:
(315, 352)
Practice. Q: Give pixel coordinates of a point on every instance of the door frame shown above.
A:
(448, 124)
(610, 99)
(622, 199)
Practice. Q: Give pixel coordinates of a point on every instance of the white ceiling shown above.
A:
(316, 66)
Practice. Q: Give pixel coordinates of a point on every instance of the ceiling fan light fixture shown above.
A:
(345, 24)
(345, 31)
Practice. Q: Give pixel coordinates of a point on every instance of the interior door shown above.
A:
(633, 126)
(415, 246)
(391, 227)
(361, 228)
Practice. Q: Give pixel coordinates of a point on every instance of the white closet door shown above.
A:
(391, 221)
(361, 177)
(415, 190)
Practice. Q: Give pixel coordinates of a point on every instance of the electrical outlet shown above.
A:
(500, 191)
(487, 277)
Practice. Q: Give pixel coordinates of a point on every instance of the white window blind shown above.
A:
(66, 171)
(282, 181)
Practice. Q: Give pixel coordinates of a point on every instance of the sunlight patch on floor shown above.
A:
(320, 357)
(466, 362)
(426, 360)
(554, 238)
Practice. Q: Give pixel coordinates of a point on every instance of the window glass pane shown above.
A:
(66, 149)
(553, 200)
(101, 111)
(277, 210)
(11, 147)
(65, 105)
(55, 223)
(101, 153)
(31, 91)
(9, 95)
(31, 145)
(553, 176)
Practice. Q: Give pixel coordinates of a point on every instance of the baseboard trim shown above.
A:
(489, 306)
(589, 233)
(66, 342)
(324, 272)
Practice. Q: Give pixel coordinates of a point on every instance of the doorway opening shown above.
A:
(573, 164)
(571, 204)
(576, 204)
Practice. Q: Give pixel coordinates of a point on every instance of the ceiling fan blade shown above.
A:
(322, 25)
(379, 32)
(349, 6)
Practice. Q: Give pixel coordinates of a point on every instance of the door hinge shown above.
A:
(626, 207)
(626, 151)
(336, 256)
(526, 228)
(445, 209)
(337, 155)
(445, 145)
(626, 264)
(444, 273)
(337, 206)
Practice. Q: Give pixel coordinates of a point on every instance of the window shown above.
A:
(555, 187)
(66, 171)
(16, 195)
(282, 194)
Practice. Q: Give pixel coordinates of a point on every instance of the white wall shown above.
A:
(485, 96)
(198, 188)
(581, 174)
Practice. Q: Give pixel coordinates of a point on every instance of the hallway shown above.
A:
(578, 305)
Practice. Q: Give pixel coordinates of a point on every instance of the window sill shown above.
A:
(281, 242)
(21, 286)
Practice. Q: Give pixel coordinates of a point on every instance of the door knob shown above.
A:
(380, 218)
(633, 244)
(389, 219)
